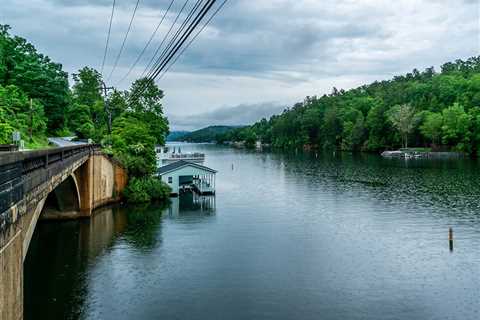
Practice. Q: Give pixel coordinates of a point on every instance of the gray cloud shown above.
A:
(262, 50)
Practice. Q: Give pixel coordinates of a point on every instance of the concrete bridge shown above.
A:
(59, 183)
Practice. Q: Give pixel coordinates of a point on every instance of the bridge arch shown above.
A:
(63, 201)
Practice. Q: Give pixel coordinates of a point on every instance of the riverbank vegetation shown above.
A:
(37, 101)
(207, 134)
(438, 110)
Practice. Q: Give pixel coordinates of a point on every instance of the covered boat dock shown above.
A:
(185, 175)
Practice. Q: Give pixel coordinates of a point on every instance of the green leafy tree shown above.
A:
(36, 75)
(134, 145)
(456, 127)
(80, 120)
(404, 119)
(87, 86)
(145, 101)
(432, 127)
(18, 113)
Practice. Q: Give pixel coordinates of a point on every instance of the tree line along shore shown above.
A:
(434, 111)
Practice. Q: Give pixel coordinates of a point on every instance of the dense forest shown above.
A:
(37, 100)
(208, 134)
(438, 110)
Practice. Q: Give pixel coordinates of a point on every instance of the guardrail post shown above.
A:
(46, 161)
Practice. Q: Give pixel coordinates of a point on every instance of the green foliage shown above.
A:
(456, 127)
(35, 75)
(133, 143)
(17, 113)
(404, 119)
(420, 108)
(208, 134)
(432, 126)
(87, 86)
(145, 102)
(80, 120)
(146, 189)
(86, 116)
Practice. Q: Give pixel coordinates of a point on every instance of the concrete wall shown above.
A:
(99, 181)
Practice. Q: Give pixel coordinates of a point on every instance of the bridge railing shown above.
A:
(17, 172)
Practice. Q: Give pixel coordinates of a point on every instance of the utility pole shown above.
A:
(30, 131)
(106, 106)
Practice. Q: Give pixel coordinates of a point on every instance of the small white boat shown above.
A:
(166, 156)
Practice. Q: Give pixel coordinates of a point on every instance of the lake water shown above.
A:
(285, 237)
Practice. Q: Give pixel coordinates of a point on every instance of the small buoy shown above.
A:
(450, 238)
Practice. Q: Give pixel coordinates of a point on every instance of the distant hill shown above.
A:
(208, 134)
(176, 135)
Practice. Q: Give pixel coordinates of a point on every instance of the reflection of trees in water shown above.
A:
(451, 185)
(61, 255)
(190, 204)
(58, 260)
(143, 225)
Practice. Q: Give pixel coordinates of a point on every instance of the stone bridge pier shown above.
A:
(59, 183)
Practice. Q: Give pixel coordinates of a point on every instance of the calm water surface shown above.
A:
(286, 237)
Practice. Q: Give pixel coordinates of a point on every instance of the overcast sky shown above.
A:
(257, 56)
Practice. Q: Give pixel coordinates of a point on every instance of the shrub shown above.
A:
(147, 189)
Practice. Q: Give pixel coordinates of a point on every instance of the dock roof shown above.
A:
(182, 163)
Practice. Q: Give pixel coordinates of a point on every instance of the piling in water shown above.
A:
(450, 238)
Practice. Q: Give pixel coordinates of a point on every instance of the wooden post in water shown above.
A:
(450, 238)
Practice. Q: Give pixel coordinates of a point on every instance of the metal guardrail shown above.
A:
(186, 156)
(17, 171)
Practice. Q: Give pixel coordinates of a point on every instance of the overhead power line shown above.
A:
(108, 36)
(172, 40)
(124, 40)
(147, 44)
(163, 41)
(164, 60)
(175, 36)
(172, 47)
(185, 36)
(193, 39)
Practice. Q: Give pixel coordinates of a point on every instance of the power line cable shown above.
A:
(171, 42)
(177, 33)
(206, 7)
(193, 39)
(108, 37)
(164, 38)
(189, 31)
(147, 44)
(124, 40)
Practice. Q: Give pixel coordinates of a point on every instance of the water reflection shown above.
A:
(58, 260)
(287, 237)
(191, 204)
(143, 225)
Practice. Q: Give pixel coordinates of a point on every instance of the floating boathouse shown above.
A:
(183, 175)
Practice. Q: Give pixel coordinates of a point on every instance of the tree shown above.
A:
(145, 103)
(377, 128)
(36, 75)
(456, 127)
(404, 120)
(87, 86)
(432, 127)
(80, 121)
(18, 113)
(134, 145)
